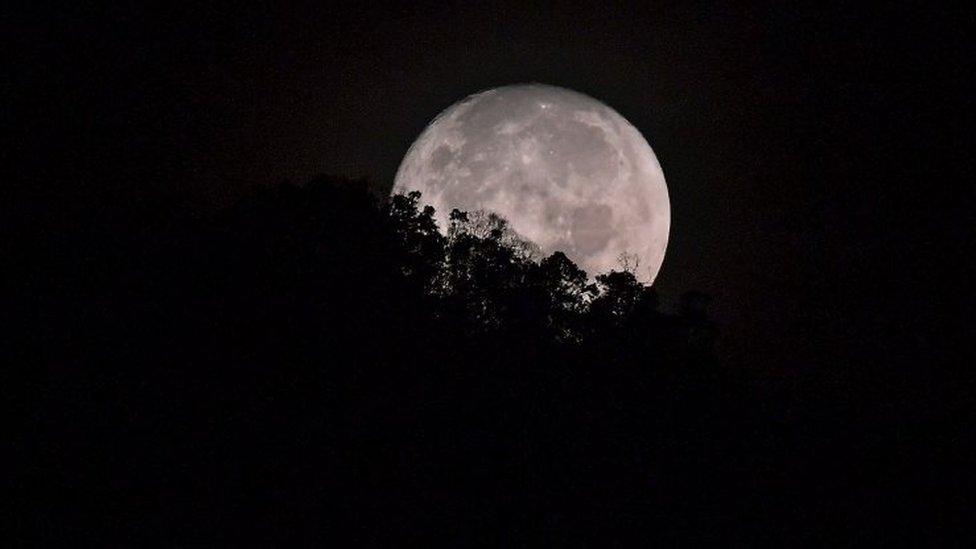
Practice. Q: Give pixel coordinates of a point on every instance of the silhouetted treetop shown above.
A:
(315, 364)
(481, 269)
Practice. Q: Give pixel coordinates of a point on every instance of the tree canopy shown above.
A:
(312, 363)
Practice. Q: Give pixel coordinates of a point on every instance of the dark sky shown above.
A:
(814, 154)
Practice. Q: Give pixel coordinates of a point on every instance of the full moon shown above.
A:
(568, 173)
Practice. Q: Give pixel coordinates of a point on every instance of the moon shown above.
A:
(568, 173)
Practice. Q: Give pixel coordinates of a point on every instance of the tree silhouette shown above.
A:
(312, 364)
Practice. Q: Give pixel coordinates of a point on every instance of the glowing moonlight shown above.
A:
(568, 172)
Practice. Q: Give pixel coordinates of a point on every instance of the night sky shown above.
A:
(814, 155)
(211, 338)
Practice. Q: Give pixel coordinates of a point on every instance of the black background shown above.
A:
(817, 155)
(814, 153)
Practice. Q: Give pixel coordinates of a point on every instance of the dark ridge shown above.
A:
(313, 364)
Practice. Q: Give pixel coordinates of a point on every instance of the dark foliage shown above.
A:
(311, 365)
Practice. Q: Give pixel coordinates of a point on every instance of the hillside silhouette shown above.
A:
(315, 364)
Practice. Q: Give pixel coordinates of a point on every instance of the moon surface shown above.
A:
(566, 171)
